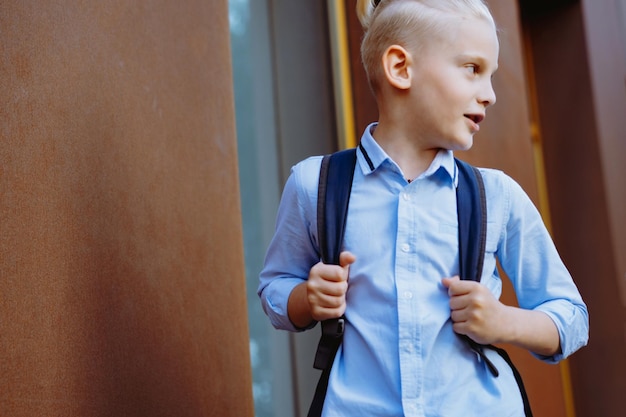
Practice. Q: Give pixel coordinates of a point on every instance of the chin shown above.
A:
(461, 145)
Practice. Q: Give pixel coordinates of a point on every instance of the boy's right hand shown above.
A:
(327, 286)
(323, 295)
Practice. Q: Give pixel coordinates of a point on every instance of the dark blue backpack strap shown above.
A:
(472, 215)
(333, 197)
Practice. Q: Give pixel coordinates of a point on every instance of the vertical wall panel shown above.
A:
(121, 268)
(605, 36)
(582, 101)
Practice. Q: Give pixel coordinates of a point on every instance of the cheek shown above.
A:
(448, 94)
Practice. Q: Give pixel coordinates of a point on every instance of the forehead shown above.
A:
(462, 35)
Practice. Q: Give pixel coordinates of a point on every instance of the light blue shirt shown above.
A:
(400, 356)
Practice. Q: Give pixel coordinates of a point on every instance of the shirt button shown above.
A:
(408, 295)
(406, 196)
(406, 247)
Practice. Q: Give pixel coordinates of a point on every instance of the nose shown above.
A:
(487, 95)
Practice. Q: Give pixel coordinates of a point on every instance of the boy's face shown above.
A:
(451, 86)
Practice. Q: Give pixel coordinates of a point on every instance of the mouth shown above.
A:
(476, 118)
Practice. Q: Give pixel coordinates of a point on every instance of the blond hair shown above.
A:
(407, 23)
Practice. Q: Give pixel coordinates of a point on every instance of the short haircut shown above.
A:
(407, 23)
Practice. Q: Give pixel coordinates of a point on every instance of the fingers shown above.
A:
(448, 282)
(322, 313)
(334, 273)
(327, 299)
(465, 294)
(324, 287)
(457, 287)
(327, 287)
(346, 259)
(329, 306)
(474, 310)
(331, 273)
(462, 298)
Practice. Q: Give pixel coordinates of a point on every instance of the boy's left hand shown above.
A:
(475, 312)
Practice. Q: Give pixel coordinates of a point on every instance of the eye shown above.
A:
(472, 68)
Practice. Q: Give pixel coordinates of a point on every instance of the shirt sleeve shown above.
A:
(541, 280)
(293, 249)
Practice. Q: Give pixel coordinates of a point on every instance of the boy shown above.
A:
(430, 64)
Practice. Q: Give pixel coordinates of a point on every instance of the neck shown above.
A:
(406, 150)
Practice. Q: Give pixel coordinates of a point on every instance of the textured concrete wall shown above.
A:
(121, 264)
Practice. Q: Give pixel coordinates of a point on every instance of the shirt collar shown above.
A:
(372, 156)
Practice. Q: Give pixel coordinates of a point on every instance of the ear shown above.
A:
(397, 63)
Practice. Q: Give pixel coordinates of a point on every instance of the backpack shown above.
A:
(335, 183)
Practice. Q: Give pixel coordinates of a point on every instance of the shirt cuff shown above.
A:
(275, 298)
(572, 325)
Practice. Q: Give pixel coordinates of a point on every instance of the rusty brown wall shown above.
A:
(121, 265)
(579, 59)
